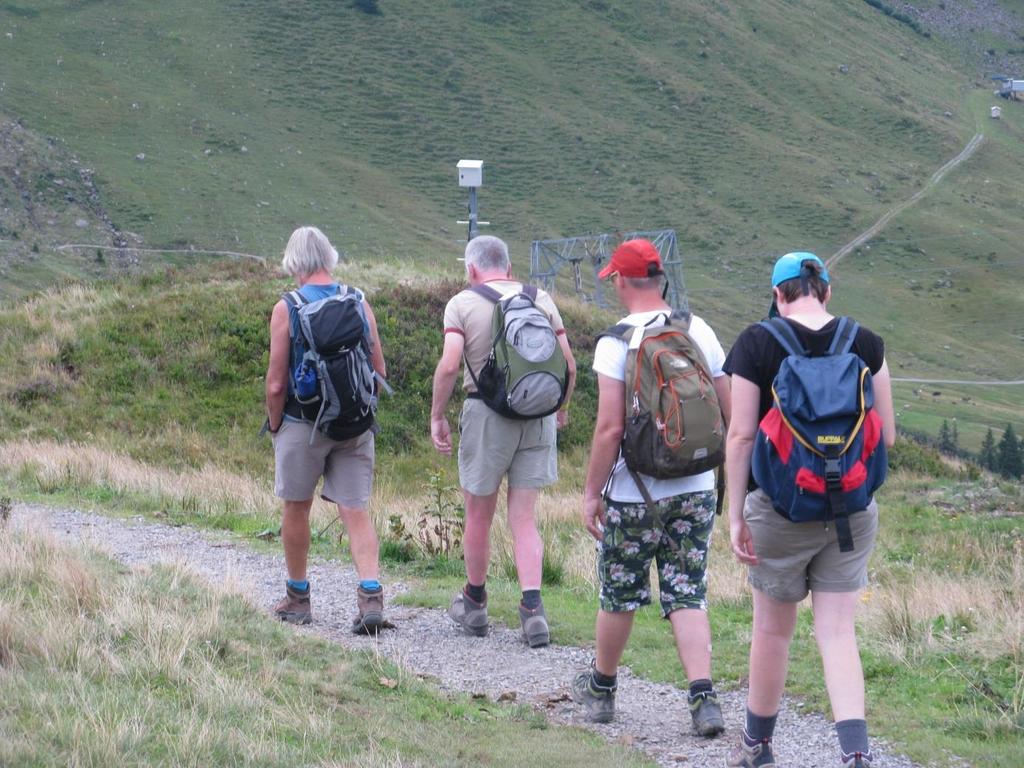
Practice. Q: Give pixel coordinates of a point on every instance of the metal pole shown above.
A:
(473, 231)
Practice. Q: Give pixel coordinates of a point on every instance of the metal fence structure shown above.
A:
(572, 263)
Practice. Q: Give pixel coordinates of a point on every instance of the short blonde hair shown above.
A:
(308, 251)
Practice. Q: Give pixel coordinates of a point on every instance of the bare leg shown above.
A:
(476, 539)
(837, 641)
(295, 537)
(692, 631)
(362, 538)
(527, 545)
(612, 634)
(774, 623)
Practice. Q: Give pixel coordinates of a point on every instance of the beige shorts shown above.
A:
(345, 465)
(491, 446)
(795, 558)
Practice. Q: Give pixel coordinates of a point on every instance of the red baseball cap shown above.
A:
(634, 258)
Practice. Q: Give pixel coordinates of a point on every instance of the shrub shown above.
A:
(367, 6)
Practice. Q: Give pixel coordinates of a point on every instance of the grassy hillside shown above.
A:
(752, 130)
(735, 125)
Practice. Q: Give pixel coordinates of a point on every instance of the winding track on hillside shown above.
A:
(650, 717)
(965, 154)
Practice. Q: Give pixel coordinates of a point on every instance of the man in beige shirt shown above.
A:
(492, 446)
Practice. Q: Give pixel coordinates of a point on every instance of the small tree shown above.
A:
(367, 6)
(1011, 464)
(946, 444)
(988, 457)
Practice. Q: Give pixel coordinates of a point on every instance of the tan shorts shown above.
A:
(491, 446)
(345, 465)
(795, 558)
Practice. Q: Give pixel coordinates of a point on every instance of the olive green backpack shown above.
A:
(674, 425)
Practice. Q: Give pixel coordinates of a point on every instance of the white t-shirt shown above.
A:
(610, 360)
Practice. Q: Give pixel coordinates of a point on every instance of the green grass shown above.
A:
(938, 684)
(107, 666)
(732, 124)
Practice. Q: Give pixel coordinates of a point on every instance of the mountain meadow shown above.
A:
(154, 158)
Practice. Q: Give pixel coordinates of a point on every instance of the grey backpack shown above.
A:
(526, 375)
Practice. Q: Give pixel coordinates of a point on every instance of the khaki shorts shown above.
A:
(795, 558)
(491, 446)
(345, 465)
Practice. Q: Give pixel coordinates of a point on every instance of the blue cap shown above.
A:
(788, 267)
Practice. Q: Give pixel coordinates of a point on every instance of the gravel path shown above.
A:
(651, 717)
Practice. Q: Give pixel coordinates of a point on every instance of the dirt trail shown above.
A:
(972, 146)
(651, 717)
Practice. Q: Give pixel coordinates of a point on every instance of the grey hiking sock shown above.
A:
(476, 593)
(531, 599)
(853, 737)
(759, 728)
(603, 681)
(701, 686)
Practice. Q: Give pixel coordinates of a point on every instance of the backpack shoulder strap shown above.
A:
(620, 331)
(785, 335)
(348, 290)
(530, 291)
(487, 292)
(843, 338)
(680, 318)
(294, 298)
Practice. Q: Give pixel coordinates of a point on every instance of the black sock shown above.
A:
(759, 728)
(853, 737)
(531, 599)
(476, 593)
(701, 686)
(603, 681)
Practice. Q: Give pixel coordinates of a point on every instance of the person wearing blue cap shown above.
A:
(786, 560)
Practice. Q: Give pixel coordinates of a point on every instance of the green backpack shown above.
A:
(674, 425)
(526, 375)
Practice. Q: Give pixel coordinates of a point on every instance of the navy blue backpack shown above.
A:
(819, 453)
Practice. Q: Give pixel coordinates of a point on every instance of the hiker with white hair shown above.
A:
(325, 367)
(519, 375)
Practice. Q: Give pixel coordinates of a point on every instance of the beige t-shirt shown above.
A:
(471, 315)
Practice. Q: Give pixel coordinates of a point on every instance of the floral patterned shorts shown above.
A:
(633, 537)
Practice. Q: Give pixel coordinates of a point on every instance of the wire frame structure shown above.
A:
(572, 263)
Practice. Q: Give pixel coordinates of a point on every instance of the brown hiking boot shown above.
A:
(294, 608)
(370, 618)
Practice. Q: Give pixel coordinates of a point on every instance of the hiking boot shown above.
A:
(746, 756)
(370, 618)
(598, 702)
(707, 714)
(294, 608)
(535, 625)
(857, 760)
(470, 615)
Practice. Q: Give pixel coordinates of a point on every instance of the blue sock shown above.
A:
(369, 585)
(299, 586)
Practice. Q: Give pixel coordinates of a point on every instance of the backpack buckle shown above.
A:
(833, 473)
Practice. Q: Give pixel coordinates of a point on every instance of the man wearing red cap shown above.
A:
(615, 512)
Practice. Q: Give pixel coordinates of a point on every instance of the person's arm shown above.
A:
(563, 415)
(376, 352)
(611, 407)
(739, 445)
(882, 384)
(445, 374)
(277, 368)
